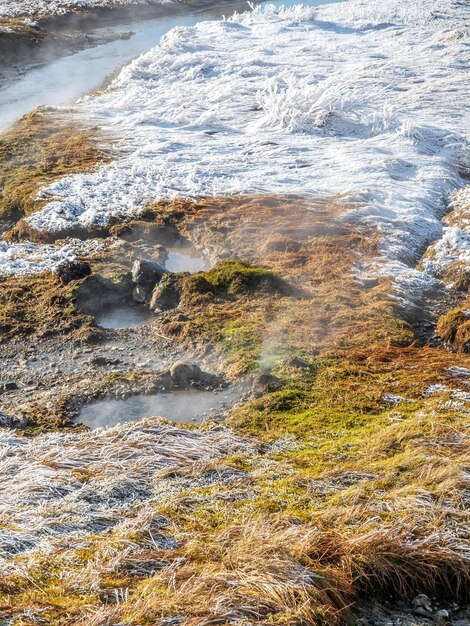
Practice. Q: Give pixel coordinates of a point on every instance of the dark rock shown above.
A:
(422, 606)
(167, 293)
(265, 381)
(6, 421)
(442, 616)
(7, 385)
(145, 275)
(101, 361)
(97, 292)
(183, 373)
(67, 271)
(296, 361)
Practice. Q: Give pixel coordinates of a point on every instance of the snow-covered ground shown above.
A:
(21, 8)
(360, 98)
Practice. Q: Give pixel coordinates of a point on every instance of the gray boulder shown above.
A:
(167, 293)
(183, 374)
(145, 275)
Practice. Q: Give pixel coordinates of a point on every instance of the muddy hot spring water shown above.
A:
(125, 315)
(113, 309)
(192, 406)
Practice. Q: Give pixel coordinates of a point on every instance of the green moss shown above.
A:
(130, 376)
(229, 305)
(232, 276)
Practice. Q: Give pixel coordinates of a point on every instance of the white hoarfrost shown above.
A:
(59, 487)
(454, 244)
(30, 258)
(361, 98)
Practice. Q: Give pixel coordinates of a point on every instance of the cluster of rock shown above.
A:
(154, 285)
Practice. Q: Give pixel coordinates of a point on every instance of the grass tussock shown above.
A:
(296, 574)
(40, 148)
(453, 328)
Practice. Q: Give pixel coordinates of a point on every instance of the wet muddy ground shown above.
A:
(39, 374)
(122, 374)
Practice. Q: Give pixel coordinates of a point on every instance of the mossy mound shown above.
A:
(232, 277)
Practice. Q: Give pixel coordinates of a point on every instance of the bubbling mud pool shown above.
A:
(185, 406)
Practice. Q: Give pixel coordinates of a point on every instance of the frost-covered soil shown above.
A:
(355, 98)
(21, 8)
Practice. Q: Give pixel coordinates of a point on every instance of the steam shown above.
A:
(187, 407)
(184, 260)
(123, 316)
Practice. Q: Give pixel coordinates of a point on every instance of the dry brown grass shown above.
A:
(454, 328)
(39, 305)
(312, 248)
(40, 148)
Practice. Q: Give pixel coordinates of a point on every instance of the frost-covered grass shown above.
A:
(78, 484)
(453, 248)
